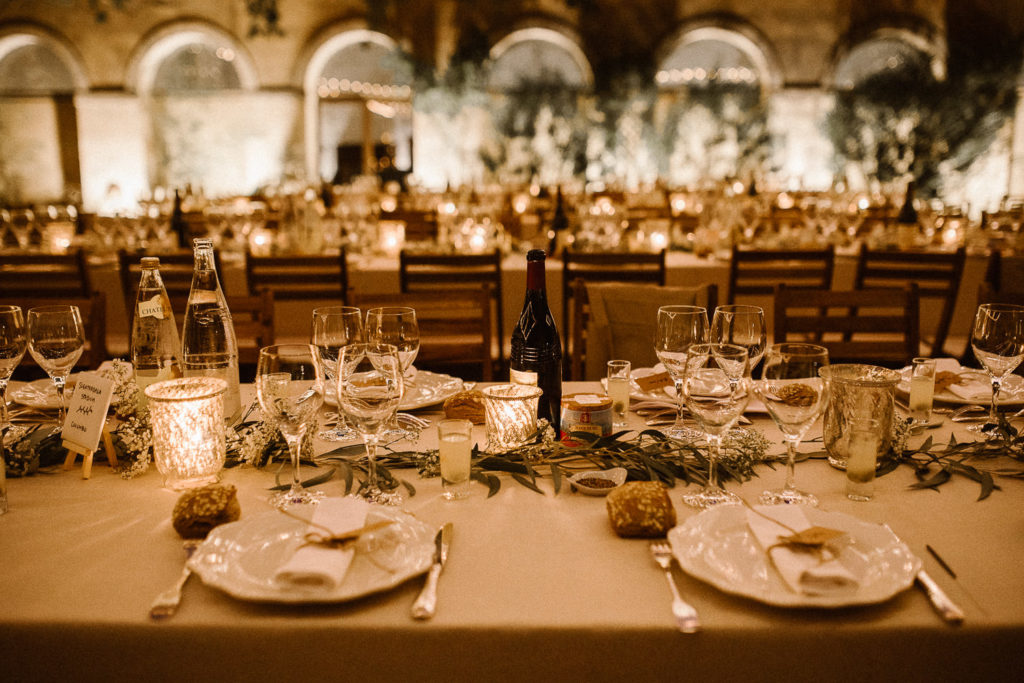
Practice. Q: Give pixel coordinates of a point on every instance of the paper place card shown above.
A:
(87, 413)
(652, 383)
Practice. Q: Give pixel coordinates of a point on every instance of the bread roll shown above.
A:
(466, 405)
(641, 509)
(200, 510)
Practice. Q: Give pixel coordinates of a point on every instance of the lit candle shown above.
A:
(511, 414)
(187, 417)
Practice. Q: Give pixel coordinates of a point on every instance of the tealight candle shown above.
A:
(511, 414)
(187, 417)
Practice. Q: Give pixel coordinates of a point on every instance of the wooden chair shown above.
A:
(299, 278)
(419, 271)
(455, 326)
(937, 276)
(756, 273)
(176, 270)
(253, 317)
(623, 328)
(604, 267)
(94, 318)
(44, 276)
(877, 326)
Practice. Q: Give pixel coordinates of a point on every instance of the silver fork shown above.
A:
(166, 604)
(685, 614)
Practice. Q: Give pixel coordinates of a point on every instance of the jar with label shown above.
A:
(591, 413)
(155, 346)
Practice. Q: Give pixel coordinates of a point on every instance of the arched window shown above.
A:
(193, 79)
(358, 111)
(885, 53)
(536, 56)
(38, 128)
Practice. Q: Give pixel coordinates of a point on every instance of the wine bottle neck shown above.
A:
(535, 279)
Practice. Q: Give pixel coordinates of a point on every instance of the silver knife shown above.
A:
(426, 604)
(946, 608)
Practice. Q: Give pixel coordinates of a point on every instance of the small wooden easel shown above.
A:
(74, 450)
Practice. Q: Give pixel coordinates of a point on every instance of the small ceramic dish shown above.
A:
(615, 475)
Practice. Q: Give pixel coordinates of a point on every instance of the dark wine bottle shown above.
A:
(536, 347)
(559, 228)
(179, 226)
(908, 214)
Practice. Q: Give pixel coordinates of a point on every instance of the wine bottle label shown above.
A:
(523, 377)
(153, 308)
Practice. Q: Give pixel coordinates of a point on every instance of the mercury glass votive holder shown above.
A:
(189, 442)
(511, 414)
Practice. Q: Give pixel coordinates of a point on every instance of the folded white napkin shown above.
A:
(973, 386)
(319, 566)
(803, 572)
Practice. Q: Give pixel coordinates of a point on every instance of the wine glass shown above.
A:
(370, 386)
(335, 327)
(997, 340)
(12, 348)
(795, 396)
(290, 388)
(397, 326)
(744, 326)
(56, 340)
(716, 390)
(679, 327)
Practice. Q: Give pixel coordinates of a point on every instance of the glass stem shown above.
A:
(371, 461)
(993, 416)
(59, 382)
(680, 401)
(3, 403)
(714, 446)
(294, 442)
(790, 465)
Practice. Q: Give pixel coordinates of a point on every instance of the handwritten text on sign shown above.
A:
(87, 412)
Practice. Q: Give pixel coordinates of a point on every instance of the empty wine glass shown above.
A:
(396, 325)
(679, 327)
(744, 326)
(795, 396)
(12, 349)
(716, 390)
(997, 340)
(290, 389)
(335, 327)
(56, 340)
(370, 386)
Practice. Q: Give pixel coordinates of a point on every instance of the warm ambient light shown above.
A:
(511, 413)
(187, 417)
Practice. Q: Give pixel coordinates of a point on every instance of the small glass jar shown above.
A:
(189, 442)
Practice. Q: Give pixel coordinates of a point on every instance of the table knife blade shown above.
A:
(426, 603)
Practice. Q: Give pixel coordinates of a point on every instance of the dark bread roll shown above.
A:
(200, 510)
(641, 509)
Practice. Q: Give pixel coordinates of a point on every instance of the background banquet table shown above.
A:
(379, 275)
(536, 586)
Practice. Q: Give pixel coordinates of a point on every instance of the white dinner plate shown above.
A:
(718, 547)
(667, 394)
(242, 557)
(41, 394)
(428, 389)
(1011, 392)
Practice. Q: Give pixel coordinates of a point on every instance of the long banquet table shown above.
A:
(536, 586)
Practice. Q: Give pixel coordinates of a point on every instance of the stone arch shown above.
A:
(734, 32)
(520, 42)
(895, 32)
(165, 40)
(15, 37)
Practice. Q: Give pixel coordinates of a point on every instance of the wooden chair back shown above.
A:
(45, 276)
(299, 278)
(937, 276)
(877, 326)
(94, 318)
(455, 326)
(756, 272)
(253, 317)
(419, 271)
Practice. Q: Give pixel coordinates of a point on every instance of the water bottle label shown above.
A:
(523, 377)
(153, 308)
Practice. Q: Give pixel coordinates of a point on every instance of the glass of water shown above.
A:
(922, 390)
(455, 449)
(618, 391)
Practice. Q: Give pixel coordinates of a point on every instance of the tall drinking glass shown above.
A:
(290, 388)
(397, 326)
(679, 327)
(795, 396)
(997, 340)
(370, 386)
(744, 326)
(335, 327)
(716, 388)
(56, 340)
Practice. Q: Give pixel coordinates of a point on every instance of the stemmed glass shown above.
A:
(997, 339)
(679, 327)
(795, 396)
(744, 326)
(397, 326)
(290, 388)
(12, 348)
(716, 390)
(56, 340)
(335, 327)
(370, 386)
